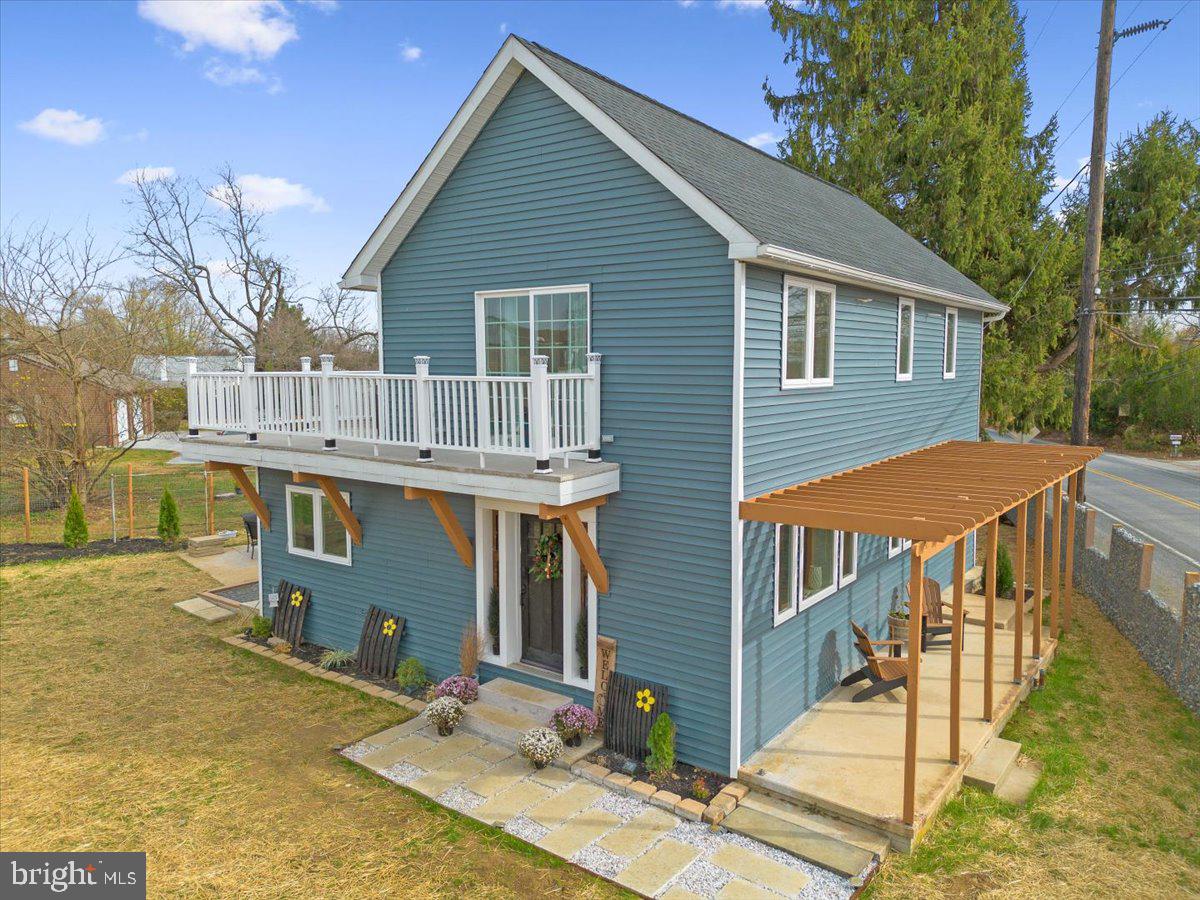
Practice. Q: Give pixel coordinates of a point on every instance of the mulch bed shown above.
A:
(311, 653)
(681, 781)
(16, 554)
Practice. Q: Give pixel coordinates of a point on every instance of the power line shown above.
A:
(1044, 24)
(1091, 65)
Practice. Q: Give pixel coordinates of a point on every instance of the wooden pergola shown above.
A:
(936, 497)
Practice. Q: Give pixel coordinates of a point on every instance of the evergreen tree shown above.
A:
(75, 528)
(919, 107)
(168, 518)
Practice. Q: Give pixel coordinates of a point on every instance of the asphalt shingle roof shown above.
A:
(773, 200)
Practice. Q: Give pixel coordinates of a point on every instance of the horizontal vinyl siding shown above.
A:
(542, 198)
(798, 434)
(406, 565)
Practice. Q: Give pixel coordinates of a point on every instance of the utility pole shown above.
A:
(1082, 400)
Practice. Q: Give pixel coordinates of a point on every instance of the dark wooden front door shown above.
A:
(541, 600)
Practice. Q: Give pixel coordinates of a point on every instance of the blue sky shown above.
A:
(333, 105)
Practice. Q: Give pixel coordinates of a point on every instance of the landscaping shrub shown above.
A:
(661, 742)
(335, 659)
(261, 627)
(1005, 580)
(168, 518)
(494, 620)
(410, 673)
(75, 529)
(470, 649)
(571, 720)
(701, 791)
(581, 643)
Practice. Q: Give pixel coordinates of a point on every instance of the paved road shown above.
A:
(1157, 499)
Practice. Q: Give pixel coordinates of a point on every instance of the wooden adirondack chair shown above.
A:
(937, 615)
(886, 673)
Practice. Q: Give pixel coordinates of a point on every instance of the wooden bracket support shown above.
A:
(340, 507)
(248, 488)
(445, 513)
(580, 539)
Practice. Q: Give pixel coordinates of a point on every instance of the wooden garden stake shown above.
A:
(129, 492)
(25, 479)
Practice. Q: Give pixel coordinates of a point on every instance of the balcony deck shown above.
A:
(501, 475)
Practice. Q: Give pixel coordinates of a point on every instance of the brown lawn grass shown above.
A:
(127, 725)
(1117, 812)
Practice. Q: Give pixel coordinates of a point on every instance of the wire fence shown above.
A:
(123, 504)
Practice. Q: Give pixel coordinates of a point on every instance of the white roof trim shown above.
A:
(489, 91)
(795, 261)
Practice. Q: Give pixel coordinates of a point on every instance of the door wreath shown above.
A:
(547, 557)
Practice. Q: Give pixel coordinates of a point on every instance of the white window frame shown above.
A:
(896, 545)
(532, 294)
(318, 551)
(798, 602)
(912, 362)
(844, 579)
(950, 348)
(781, 616)
(812, 287)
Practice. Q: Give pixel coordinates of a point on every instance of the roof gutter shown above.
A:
(781, 257)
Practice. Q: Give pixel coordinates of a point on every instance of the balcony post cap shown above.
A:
(247, 363)
(539, 360)
(594, 357)
(421, 360)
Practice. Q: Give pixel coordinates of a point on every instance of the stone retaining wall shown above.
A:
(1119, 583)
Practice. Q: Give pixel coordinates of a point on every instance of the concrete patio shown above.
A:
(847, 759)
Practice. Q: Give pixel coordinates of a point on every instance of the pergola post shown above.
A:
(956, 647)
(1019, 592)
(1055, 557)
(1072, 499)
(916, 627)
(1039, 551)
(989, 618)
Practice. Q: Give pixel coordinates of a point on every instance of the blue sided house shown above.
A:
(612, 339)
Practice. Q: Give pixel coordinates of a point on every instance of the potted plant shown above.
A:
(445, 713)
(462, 688)
(573, 723)
(540, 746)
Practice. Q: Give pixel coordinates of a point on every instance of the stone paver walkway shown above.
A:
(642, 847)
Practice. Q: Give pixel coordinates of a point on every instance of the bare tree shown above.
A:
(53, 297)
(210, 245)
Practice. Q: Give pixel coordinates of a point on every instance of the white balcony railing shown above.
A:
(535, 415)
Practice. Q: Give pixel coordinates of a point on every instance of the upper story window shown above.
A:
(905, 326)
(808, 318)
(512, 326)
(897, 545)
(810, 564)
(314, 528)
(950, 351)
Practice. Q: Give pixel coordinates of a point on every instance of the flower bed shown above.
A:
(682, 780)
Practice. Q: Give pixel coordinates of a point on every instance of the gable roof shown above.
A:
(770, 211)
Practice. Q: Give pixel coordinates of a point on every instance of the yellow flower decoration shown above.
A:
(389, 627)
(297, 598)
(645, 700)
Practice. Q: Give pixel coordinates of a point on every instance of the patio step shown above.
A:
(838, 846)
(992, 764)
(1020, 780)
(505, 726)
(522, 699)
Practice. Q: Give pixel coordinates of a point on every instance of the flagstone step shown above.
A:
(1019, 781)
(523, 699)
(495, 723)
(992, 763)
(830, 844)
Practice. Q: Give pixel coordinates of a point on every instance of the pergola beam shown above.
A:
(450, 524)
(248, 489)
(338, 503)
(589, 556)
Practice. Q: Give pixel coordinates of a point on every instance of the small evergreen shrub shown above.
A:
(1005, 581)
(661, 742)
(168, 519)
(410, 673)
(75, 528)
(494, 620)
(261, 627)
(581, 643)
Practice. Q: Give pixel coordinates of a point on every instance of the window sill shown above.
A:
(786, 385)
(907, 377)
(781, 617)
(336, 560)
(948, 376)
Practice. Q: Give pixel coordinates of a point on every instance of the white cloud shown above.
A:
(763, 139)
(686, 3)
(225, 75)
(253, 29)
(273, 194)
(65, 125)
(410, 52)
(325, 6)
(141, 135)
(742, 5)
(504, 28)
(146, 173)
